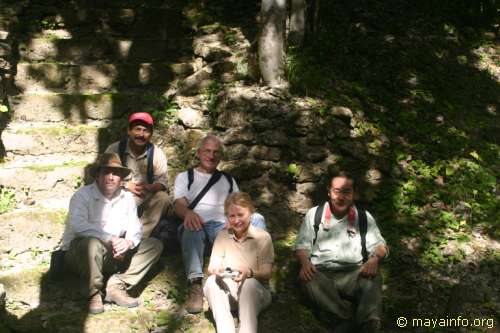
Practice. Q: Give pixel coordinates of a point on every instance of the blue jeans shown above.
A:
(193, 243)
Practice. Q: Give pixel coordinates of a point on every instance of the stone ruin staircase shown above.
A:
(78, 70)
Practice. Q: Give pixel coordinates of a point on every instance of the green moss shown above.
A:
(57, 131)
(52, 167)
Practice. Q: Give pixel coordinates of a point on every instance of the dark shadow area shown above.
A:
(59, 308)
(426, 111)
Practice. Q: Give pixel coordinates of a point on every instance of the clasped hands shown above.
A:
(120, 246)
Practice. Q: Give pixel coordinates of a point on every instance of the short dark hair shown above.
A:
(343, 174)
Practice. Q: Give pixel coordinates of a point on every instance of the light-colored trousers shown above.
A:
(91, 258)
(337, 292)
(250, 299)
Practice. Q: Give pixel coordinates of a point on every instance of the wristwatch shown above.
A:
(376, 255)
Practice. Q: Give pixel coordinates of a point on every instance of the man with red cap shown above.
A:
(148, 179)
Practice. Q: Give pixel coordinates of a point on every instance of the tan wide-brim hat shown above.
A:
(110, 160)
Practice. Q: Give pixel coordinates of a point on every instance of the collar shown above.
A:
(251, 233)
(97, 195)
(351, 218)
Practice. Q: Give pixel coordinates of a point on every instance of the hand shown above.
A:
(138, 188)
(370, 268)
(215, 266)
(307, 271)
(120, 246)
(244, 274)
(192, 221)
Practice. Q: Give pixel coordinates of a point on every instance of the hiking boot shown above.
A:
(194, 303)
(117, 294)
(95, 304)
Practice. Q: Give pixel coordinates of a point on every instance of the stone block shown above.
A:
(106, 50)
(192, 118)
(90, 79)
(78, 109)
(266, 153)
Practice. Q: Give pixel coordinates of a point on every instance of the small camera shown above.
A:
(230, 273)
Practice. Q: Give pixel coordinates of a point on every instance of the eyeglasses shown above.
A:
(344, 192)
(216, 153)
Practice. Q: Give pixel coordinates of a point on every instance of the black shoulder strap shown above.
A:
(190, 178)
(214, 179)
(122, 146)
(317, 220)
(150, 155)
(363, 227)
(229, 180)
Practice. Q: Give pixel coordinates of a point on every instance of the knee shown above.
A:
(154, 246)
(250, 288)
(95, 246)
(160, 197)
(191, 237)
(210, 283)
(370, 285)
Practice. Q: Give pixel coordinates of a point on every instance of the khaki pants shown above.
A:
(346, 294)
(249, 298)
(153, 207)
(91, 258)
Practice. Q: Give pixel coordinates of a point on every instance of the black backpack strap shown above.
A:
(122, 146)
(214, 179)
(363, 227)
(317, 221)
(229, 180)
(150, 155)
(190, 178)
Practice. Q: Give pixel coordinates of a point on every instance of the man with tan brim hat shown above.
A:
(103, 234)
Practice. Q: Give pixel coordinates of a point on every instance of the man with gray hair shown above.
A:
(199, 196)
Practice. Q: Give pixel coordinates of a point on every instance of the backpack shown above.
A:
(363, 227)
(150, 150)
(218, 173)
(167, 229)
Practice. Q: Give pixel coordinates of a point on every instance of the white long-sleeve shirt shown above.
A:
(93, 215)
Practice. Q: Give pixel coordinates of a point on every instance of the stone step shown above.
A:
(38, 139)
(92, 79)
(91, 21)
(49, 185)
(32, 234)
(80, 109)
(104, 50)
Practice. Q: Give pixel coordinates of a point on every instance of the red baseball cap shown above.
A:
(141, 116)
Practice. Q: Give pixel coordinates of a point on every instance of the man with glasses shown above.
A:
(203, 215)
(339, 248)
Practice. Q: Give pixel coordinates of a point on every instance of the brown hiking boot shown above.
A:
(95, 304)
(194, 303)
(117, 294)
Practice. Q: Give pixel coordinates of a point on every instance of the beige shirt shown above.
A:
(256, 249)
(139, 165)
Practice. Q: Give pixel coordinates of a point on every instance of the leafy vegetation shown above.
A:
(7, 199)
(166, 110)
